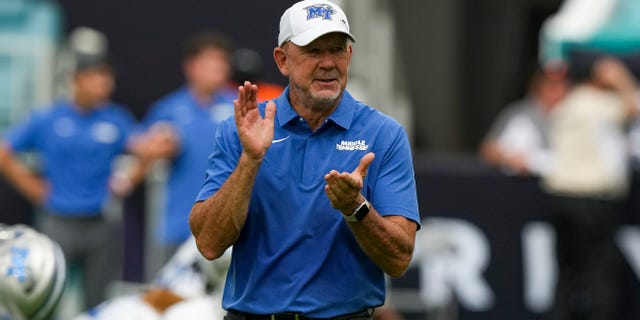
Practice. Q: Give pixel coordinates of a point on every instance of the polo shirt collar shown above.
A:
(342, 116)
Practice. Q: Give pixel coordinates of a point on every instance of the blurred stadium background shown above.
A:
(443, 68)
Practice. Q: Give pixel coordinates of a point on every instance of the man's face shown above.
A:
(318, 72)
(95, 84)
(208, 70)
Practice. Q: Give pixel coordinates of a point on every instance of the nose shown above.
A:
(326, 60)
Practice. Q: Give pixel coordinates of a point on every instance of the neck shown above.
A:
(203, 96)
(315, 117)
(315, 112)
(84, 103)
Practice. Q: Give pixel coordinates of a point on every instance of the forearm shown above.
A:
(24, 180)
(388, 241)
(630, 100)
(139, 170)
(490, 153)
(216, 222)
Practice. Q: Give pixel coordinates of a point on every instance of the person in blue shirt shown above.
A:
(314, 190)
(181, 127)
(77, 141)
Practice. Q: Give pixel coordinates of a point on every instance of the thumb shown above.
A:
(363, 167)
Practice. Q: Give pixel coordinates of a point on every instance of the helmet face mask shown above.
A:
(32, 273)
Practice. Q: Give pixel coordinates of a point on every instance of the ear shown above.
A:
(186, 66)
(280, 57)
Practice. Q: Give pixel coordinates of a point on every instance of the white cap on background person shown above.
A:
(307, 20)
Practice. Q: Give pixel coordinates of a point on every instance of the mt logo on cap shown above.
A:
(308, 20)
(323, 11)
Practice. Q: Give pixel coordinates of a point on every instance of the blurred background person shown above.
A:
(180, 127)
(518, 139)
(248, 66)
(589, 181)
(76, 140)
(590, 177)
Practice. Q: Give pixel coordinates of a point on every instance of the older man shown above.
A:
(315, 190)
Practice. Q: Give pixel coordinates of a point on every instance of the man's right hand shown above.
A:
(255, 132)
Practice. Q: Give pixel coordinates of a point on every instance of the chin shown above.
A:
(327, 95)
(325, 99)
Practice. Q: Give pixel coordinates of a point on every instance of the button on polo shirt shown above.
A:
(295, 252)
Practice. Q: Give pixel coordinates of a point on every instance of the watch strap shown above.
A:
(359, 213)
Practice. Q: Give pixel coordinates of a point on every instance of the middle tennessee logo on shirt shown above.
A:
(323, 11)
(64, 127)
(352, 145)
(221, 111)
(105, 132)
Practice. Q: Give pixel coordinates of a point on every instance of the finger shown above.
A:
(337, 200)
(251, 94)
(240, 103)
(270, 112)
(237, 109)
(341, 186)
(254, 95)
(334, 178)
(331, 196)
(363, 167)
(345, 181)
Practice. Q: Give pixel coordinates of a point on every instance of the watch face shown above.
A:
(359, 213)
(362, 211)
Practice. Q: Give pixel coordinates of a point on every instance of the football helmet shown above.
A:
(32, 273)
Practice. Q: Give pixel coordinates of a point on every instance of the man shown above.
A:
(181, 127)
(77, 141)
(589, 184)
(518, 140)
(314, 190)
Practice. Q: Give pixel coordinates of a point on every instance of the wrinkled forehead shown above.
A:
(332, 39)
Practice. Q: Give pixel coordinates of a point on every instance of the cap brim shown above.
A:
(307, 37)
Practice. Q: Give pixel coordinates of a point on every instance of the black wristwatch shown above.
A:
(359, 213)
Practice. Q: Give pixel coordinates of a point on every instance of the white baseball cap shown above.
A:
(307, 20)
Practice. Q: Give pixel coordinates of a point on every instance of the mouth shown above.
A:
(326, 81)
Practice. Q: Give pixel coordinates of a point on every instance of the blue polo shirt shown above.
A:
(77, 150)
(295, 252)
(195, 125)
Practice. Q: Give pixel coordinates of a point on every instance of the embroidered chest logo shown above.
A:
(323, 11)
(352, 145)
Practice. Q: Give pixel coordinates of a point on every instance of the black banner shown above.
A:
(486, 248)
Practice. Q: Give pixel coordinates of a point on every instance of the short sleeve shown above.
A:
(394, 191)
(223, 159)
(25, 135)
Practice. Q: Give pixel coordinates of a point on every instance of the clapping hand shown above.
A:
(255, 132)
(344, 189)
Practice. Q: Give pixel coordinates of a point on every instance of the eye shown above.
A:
(339, 49)
(313, 51)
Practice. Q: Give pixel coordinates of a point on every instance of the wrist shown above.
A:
(346, 211)
(250, 160)
(359, 212)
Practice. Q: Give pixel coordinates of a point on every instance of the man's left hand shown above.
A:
(344, 189)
